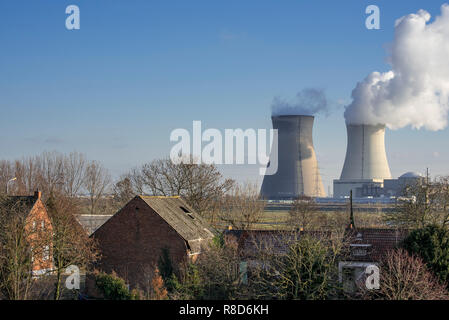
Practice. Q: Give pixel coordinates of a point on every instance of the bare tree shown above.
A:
(71, 244)
(199, 184)
(215, 275)
(74, 172)
(295, 265)
(406, 277)
(96, 182)
(6, 174)
(50, 172)
(241, 207)
(425, 202)
(22, 247)
(302, 212)
(123, 190)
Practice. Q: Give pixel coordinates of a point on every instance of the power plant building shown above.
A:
(298, 172)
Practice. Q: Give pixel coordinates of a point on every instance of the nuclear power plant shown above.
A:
(298, 172)
(366, 164)
(365, 171)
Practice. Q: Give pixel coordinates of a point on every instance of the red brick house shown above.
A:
(38, 229)
(132, 240)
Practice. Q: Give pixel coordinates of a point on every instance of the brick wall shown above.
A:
(131, 242)
(40, 231)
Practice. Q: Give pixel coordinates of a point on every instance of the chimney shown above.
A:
(298, 173)
(37, 194)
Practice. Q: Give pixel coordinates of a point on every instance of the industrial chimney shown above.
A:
(298, 173)
(366, 161)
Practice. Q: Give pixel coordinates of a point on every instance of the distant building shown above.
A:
(396, 187)
(91, 222)
(131, 241)
(38, 229)
(372, 188)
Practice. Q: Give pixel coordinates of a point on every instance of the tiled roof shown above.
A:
(375, 241)
(181, 217)
(252, 242)
(91, 222)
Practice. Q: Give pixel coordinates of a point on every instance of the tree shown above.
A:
(295, 266)
(301, 213)
(74, 171)
(114, 287)
(21, 245)
(405, 277)
(51, 172)
(431, 243)
(241, 208)
(198, 184)
(123, 191)
(96, 182)
(215, 275)
(165, 267)
(159, 292)
(424, 202)
(71, 244)
(6, 174)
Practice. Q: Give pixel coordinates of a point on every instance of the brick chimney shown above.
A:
(37, 194)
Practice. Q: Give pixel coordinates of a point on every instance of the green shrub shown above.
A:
(114, 287)
(432, 245)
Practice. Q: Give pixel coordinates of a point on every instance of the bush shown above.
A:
(405, 277)
(114, 287)
(432, 245)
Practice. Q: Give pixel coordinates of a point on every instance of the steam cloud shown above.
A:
(416, 91)
(308, 101)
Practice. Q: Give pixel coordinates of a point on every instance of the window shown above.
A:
(46, 254)
(43, 225)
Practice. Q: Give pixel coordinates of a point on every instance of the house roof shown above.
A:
(182, 218)
(377, 241)
(22, 204)
(91, 222)
(253, 242)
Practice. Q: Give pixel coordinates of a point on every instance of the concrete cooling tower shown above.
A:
(366, 163)
(298, 172)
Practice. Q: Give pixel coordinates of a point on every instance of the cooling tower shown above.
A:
(298, 172)
(366, 164)
(365, 153)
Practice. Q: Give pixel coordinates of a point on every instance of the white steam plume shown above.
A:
(416, 91)
(308, 101)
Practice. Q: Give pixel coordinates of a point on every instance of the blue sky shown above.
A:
(136, 70)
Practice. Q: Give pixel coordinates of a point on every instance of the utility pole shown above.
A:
(352, 226)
